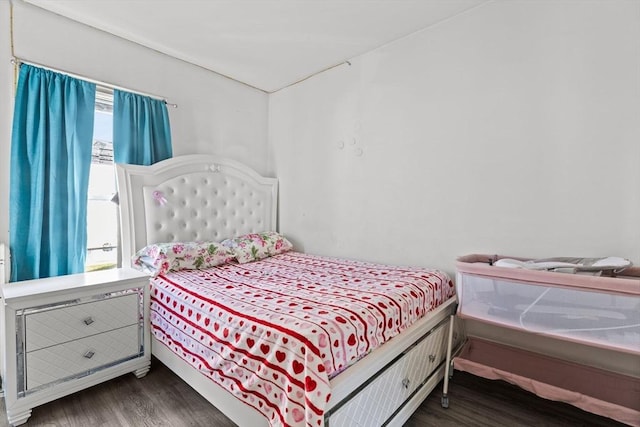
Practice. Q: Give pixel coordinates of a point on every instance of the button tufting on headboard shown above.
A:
(196, 202)
(195, 197)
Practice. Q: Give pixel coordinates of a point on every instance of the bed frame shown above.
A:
(203, 197)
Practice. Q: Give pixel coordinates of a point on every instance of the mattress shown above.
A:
(275, 331)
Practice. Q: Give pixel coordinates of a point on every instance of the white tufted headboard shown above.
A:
(192, 198)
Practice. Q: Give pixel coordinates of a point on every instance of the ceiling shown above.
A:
(267, 44)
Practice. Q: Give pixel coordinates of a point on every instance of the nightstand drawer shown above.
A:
(59, 325)
(77, 357)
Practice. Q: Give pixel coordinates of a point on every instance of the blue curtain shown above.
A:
(141, 132)
(50, 160)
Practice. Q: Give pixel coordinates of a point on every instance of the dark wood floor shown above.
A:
(162, 399)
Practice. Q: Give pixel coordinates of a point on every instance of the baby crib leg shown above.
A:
(448, 364)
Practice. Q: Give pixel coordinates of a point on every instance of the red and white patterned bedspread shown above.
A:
(273, 332)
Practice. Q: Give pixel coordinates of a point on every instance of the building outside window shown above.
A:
(102, 209)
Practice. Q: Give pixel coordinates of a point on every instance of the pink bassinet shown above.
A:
(590, 310)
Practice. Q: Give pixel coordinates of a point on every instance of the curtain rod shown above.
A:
(17, 61)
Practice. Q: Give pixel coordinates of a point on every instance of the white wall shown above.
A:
(513, 128)
(215, 115)
(6, 109)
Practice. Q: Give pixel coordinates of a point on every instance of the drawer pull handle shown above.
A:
(432, 358)
(89, 354)
(406, 382)
(88, 321)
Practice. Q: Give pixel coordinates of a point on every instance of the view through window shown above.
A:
(102, 209)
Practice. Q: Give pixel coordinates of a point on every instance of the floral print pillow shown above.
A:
(255, 246)
(163, 257)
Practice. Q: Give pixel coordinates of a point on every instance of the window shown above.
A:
(102, 209)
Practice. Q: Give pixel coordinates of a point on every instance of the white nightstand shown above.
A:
(64, 334)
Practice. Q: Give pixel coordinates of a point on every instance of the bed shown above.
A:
(376, 376)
